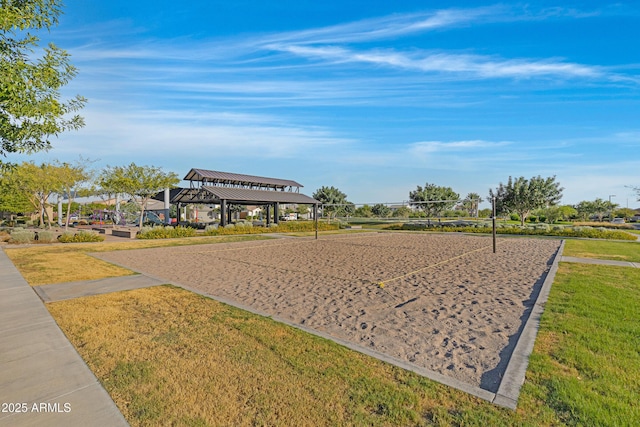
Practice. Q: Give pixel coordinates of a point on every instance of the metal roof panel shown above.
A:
(244, 195)
(236, 178)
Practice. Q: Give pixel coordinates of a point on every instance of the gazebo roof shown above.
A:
(243, 195)
(214, 195)
(212, 187)
(235, 179)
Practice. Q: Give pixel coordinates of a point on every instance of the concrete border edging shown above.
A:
(514, 375)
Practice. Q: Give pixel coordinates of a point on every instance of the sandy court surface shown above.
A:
(447, 303)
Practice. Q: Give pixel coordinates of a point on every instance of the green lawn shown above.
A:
(619, 251)
(587, 363)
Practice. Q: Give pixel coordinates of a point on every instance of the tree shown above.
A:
(31, 111)
(364, 211)
(302, 210)
(12, 199)
(70, 177)
(34, 182)
(484, 213)
(402, 212)
(471, 204)
(333, 200)
(585, 209)
(433, 199)
(553, 214)
(381, 211)
(598, 208)
(140, 183)
(625, 213)
(522, 195)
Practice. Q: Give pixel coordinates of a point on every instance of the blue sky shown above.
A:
(372, 97)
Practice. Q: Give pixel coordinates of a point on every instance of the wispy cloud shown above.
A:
(389, 26)
(474, 66)
(408, 24)
(188, 134)
(298, 58)
(441, 146)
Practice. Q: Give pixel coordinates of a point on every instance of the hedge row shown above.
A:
(20, 235)
(165, 232)
(168, 232)
(585, 232)
(81, 236)
(283, 227)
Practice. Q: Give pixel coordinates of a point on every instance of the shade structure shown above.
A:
(224, 188)
(243, 196)
(218, 178)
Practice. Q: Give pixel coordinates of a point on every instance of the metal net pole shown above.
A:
(493, 215)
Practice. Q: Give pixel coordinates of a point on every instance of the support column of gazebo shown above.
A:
(225, 213)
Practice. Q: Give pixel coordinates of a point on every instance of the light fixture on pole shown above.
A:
(611, 207)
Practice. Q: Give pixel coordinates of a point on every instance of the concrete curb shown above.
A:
(514, 375)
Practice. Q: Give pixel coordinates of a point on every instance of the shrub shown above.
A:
(81, 236)
(146, 229)
(605, 225)
(47, 236)
(167, 232)
(283, 227)
(22, 236)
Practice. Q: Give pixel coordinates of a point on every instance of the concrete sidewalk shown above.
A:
(43, 380)
(70, 290)
(600, 262)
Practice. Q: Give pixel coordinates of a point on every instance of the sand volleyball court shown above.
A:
(444, 303)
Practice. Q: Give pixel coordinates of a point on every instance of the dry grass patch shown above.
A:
(59, 263)
(171, 357)
(41, 265)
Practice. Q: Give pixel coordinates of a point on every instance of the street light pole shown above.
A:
(611, 207)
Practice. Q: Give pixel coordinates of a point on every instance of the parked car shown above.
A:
(617, 221)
